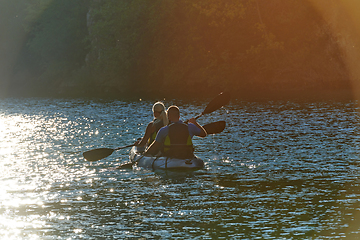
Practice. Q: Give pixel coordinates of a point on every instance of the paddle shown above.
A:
(215, 127)
(100, 153)
(220, 100)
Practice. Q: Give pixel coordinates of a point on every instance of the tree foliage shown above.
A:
(56, 45)
(180, 47)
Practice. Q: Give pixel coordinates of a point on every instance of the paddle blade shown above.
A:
(97, 154)
(219, 101)
(125, 166)
(215, 127)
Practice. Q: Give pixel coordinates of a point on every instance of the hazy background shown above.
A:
(164, 48)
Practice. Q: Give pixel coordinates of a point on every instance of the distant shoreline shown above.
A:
(251, 96)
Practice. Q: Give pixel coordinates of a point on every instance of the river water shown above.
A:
(280, 170)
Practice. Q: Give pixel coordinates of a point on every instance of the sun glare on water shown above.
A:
(16, 193)
(30, 165)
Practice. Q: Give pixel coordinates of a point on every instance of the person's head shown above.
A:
(159, 112)
(173, 113)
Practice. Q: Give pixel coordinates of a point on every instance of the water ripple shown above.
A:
(280, 170)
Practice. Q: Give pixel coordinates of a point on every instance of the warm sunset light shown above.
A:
(343, 17)
(255, 49)
(179, 119)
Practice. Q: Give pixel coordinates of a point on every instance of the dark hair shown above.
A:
(174, 110)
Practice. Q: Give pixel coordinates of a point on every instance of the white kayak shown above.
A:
(165, 163)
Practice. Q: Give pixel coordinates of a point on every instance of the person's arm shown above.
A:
(202, 132)
(149, 130)
(153, 149)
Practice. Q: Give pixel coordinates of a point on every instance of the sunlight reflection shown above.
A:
(31, 165)
(49, 191)
(12, 227)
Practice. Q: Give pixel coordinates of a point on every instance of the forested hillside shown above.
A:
(169, 48)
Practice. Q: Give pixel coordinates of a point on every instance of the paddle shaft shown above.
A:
(219, 101)
(130, 164)
(131, 145)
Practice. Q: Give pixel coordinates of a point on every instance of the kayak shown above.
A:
(165, 163)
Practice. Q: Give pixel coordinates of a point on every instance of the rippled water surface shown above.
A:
(280, 170)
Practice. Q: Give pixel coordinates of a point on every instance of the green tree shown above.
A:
(56, 44)
(179, 47)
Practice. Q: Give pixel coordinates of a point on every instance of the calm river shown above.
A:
(280, 170)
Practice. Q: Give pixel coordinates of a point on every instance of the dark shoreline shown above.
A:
(250, 96)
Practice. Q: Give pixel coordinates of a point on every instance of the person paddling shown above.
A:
(160, 120)
(174, 140)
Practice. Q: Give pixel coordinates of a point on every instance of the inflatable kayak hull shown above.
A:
(165, 163)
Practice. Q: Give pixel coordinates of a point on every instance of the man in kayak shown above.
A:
(174, 140)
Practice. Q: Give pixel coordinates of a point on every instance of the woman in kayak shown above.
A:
(160, 120)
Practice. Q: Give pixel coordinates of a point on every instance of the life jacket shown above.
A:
(178, 143)
(158, 124)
